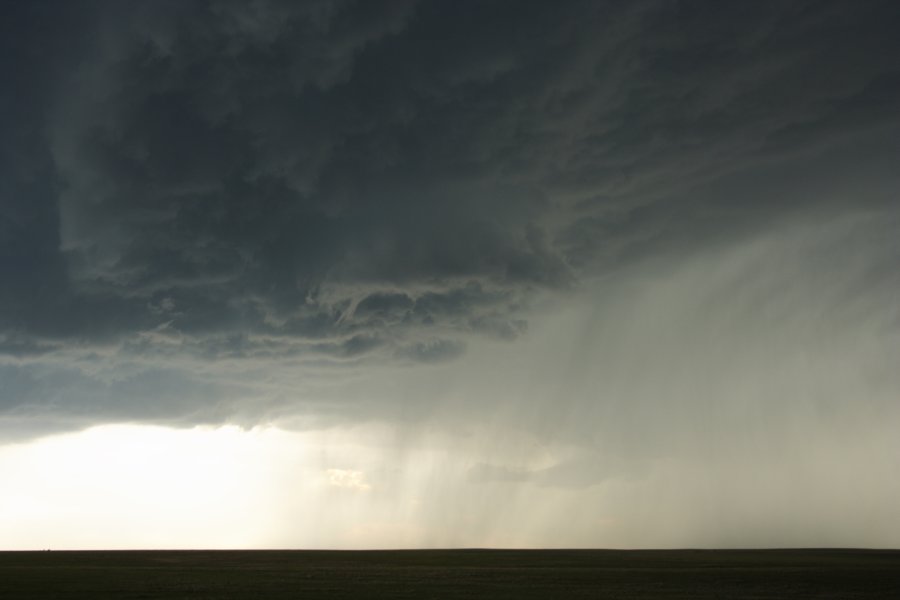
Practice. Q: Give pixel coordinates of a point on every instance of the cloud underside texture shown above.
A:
(231, 211)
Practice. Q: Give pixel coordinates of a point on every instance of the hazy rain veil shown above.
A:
(742, 398)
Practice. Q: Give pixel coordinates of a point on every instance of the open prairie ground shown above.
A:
(495, 574)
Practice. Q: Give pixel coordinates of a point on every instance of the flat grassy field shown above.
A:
(422, 574)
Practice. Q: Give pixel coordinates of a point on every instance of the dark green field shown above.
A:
(694, 574)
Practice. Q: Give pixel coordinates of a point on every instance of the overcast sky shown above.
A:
(439, 273)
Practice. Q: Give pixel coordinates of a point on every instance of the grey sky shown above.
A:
(631, 232)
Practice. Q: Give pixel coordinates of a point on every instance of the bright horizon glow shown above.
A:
(127, 486)
(118, 486)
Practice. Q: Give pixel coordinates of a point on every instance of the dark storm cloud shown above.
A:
(34, 38)
(215, 152)
(342, 184)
